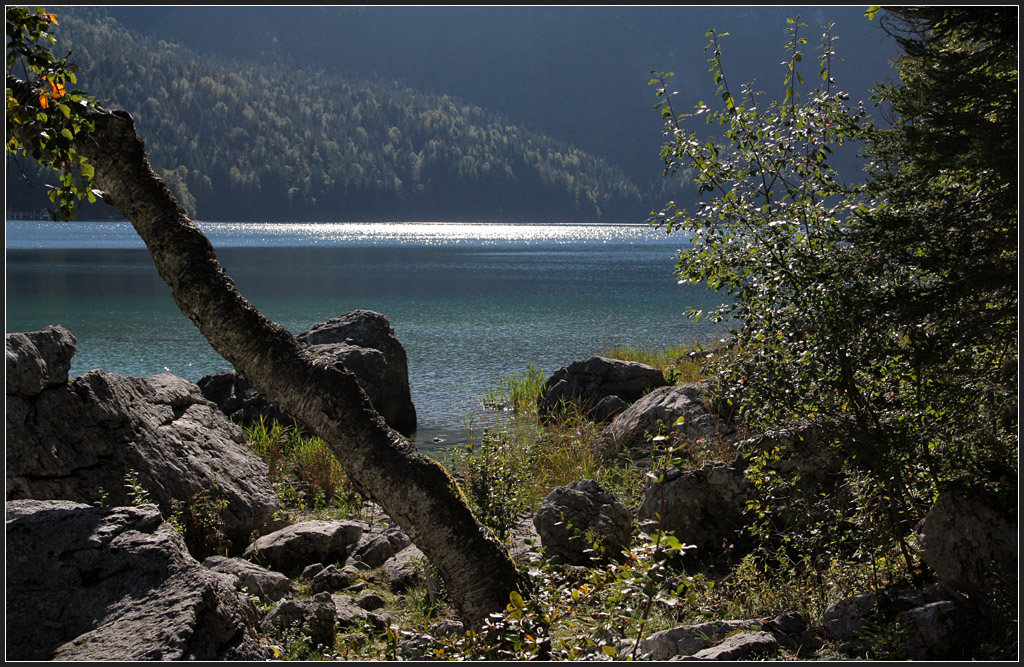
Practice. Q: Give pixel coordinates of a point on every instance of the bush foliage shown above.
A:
(882, 311)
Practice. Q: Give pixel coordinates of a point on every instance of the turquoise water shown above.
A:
(470, 303)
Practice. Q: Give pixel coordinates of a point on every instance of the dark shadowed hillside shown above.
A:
(337, 113)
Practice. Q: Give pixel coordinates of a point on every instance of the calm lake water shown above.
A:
(471, 303)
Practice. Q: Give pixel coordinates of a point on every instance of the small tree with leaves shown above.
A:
(772, 233)
(883, 311)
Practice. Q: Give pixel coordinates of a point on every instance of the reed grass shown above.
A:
(517, 392)
(271, 441)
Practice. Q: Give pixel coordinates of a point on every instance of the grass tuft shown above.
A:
(681, 363)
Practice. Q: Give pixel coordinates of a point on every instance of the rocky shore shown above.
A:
(101, 470)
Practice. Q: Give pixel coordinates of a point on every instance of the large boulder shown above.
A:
(703, 506)
(361, 341)
(680, 413)
(970, 542)
(87, 583)
(599, 387)
(79, 440)
(573, 516)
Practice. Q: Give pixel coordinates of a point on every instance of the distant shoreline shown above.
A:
(35, 217)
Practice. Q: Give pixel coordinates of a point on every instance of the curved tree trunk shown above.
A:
(413, 489)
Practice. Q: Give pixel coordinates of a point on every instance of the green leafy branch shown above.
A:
(44, 116)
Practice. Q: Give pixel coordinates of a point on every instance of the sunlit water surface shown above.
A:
(471, 303)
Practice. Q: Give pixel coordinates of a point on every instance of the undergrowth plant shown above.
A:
(305, 473)
(495, 476)
(200, 522)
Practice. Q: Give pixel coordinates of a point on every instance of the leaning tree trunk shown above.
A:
(414, 490)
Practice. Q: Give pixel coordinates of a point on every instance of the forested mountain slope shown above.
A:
(267, 141)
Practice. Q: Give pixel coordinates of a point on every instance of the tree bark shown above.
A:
(414, 490)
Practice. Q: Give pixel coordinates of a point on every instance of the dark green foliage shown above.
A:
(200, 523)
(944, 229)
(885, 313)
(265, 141)
(494, 474)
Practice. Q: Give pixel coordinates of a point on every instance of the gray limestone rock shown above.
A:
(331, 578)
(38, 360)
(969, 542)
(80, 439)
(290, 550)
(702, 506)
(933, 631)
(690, 639)
(571, 514)
(349, 612)
(379, 544)
(316, 617)
(265, 584)
(741, 646)
(362, 342)
(680, 413)
(87, 583)
(403, 570)
(586, 384)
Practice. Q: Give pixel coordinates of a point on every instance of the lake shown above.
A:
(471, 303)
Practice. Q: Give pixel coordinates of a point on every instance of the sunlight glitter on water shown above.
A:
(421, 233)
(38, 235)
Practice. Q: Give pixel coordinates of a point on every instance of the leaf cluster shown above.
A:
(44, 116)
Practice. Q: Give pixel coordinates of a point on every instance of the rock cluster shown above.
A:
(361, 341)
(79, 439)
(117, 583)
(124, 586)
(332, 557)
(966, 539)
(83, 458)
